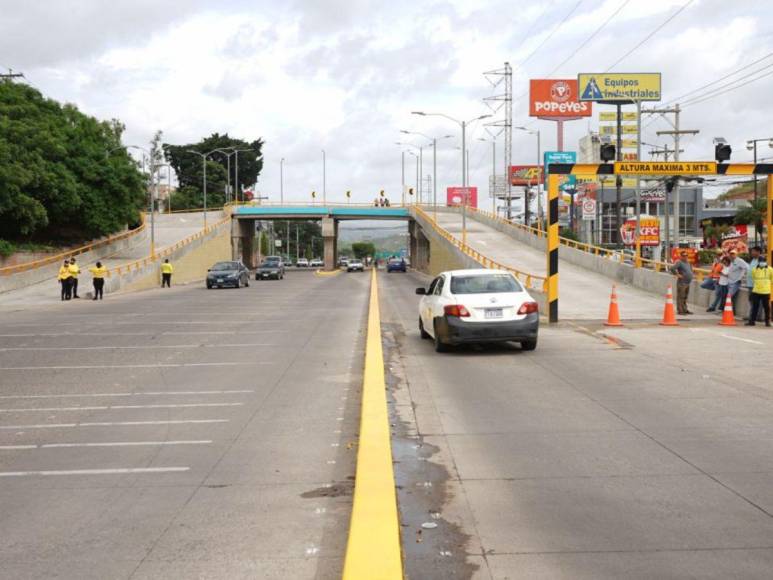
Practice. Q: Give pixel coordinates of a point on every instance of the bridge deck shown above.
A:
(320, 211)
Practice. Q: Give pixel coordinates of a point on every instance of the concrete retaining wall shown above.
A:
(649, 280)
(50, 271)
(190, 263)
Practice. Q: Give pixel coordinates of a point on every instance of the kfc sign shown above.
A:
(556, 98)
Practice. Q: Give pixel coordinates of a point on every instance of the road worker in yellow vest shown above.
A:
(98, 272)
(166, 274)
(65, 278)
(74, 272)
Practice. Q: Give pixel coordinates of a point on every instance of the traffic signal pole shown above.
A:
(552, 248)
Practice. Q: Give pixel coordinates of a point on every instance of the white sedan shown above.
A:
(477, 306)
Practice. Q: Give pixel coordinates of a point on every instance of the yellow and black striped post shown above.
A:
(552, 247)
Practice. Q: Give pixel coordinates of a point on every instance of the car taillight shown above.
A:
(528, 308)
(456, 310)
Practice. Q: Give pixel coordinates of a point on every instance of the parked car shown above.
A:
(343, 262)
(477, 306)
(396, 265)
(222, 274)
(301, 263)
(316, 263)
(355, 266)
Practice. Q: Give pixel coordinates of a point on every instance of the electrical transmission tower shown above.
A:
(11, 75)
(496, 103)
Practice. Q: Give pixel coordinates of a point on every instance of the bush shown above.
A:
(707, 256)
(569, 234)
(6, 248)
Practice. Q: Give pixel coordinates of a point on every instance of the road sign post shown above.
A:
(552, 248)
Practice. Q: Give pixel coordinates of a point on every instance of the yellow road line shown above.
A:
(323, 273)
(373, 549)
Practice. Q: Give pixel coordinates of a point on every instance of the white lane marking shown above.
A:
(139, 393)
(132, 347)
(148, 366)
(111, 424)
(112, 407)
(731, 337)
(182, 332)
(105, 444)
(117, 471)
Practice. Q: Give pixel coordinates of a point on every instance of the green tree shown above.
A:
(754, 213)
(363, 249)
(189, 169)
(307, 231)
(61, 176)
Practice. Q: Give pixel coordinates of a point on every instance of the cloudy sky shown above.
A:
(344, 75)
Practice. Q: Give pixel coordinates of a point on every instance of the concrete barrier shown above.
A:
(49, 271)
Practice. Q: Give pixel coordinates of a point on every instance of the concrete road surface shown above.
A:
(635, 453)
(183, 433)
(584, 295)
(170, 229)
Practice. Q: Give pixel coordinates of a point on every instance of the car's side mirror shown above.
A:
(421, 291)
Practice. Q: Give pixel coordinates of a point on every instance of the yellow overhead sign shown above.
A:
(629, 143)
(619, 86)
(612, 129)
(612, 116)
(666, 168)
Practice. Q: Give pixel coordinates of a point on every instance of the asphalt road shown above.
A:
(632, 453)
(182, 433)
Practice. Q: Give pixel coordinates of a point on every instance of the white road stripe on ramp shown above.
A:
(117, 471)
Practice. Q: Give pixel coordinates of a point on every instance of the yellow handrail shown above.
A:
(525, 277)
(8, 270)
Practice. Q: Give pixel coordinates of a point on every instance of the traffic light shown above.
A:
(348, 194)
(313, 194)
(410, 191)
(608, 152)
(381, 193)
(722, 150)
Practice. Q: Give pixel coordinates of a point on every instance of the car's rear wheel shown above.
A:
(423, 333)
(440, 346)
(529, 344)
(246, 282)
(209, 286)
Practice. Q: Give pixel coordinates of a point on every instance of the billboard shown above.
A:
(556, 98)
(525, 174)
(612, 129)
(456, 196)
(612, 116)
(565, 182)
(649, 231)
(624, 87)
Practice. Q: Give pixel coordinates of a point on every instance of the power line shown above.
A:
(650, 35)
(732, 88)
(574, 52)
(552, 32)
(528, 35)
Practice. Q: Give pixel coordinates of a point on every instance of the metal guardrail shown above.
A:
(15, 269)
(526, 278)
(169, 250)
(657, 266)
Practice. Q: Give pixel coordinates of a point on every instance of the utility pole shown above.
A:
(297, 242)
(676, 132)
(402, 164)
(11, 75)
(281, 180)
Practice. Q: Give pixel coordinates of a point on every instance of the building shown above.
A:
(590, 149)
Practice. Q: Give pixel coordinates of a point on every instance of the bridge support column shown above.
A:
(243, 242)
(330, 239)
(420, 249)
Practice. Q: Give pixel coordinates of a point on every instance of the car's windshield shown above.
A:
(270, 264)
(220, 266)
(486, 284)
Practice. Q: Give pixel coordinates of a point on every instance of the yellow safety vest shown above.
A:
(166, 268)
(762, 278)
(74, 270)
(64, 272)
(98, 272)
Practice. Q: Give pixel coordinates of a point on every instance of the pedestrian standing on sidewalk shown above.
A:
(683, 271)
(99, 272)
(721, 291)
(74, 272)
(64, 279)
(755, 254)
(762, 275)
(166, 274)
(736, 275)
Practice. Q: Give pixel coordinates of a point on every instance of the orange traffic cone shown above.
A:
(728, 318)
(613, 318)
(669, 316)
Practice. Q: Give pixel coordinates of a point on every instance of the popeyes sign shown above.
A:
(556, 98)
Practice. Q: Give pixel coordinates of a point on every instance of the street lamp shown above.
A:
(168, 185)
(204, 163)
(146, 154)
(434, 163)
(526, 214)
(493, 185)
(751, 145)
(409, 152)
(418, 165)
(281, 180)
(324, 180)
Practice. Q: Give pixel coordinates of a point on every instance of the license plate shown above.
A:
(494, 313)
(219, 280)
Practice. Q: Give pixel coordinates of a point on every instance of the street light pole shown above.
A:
(402, 165)
(434, 141)
(751, 144)
(281, 180)
(324, 180)
(204, 163)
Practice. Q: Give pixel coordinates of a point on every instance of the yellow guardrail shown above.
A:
(169, 250)
(15, 269)
(529, 280)
(373, 548)
(617, 255)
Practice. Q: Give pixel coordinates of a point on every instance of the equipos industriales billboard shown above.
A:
(556, 98)
(624, 87)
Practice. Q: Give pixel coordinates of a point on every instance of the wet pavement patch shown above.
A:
(335, 490)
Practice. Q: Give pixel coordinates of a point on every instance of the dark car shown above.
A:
(396, 265)
(272, 267)
(223, 274)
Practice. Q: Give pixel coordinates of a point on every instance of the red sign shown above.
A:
(457, 195)
(248, 195)
(736, 239)
(692, 255)
(525, 174)
(649, 231)
(556, 98)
